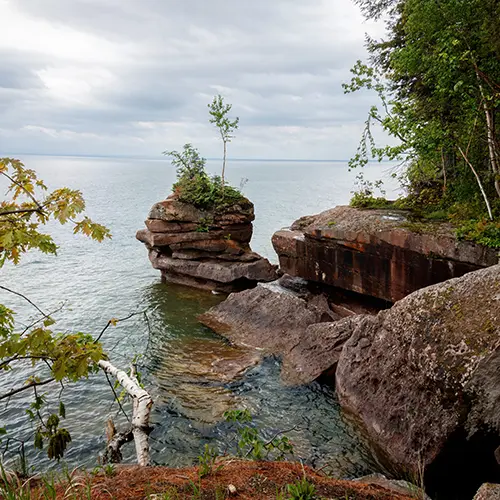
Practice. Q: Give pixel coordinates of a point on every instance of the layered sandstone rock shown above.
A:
(204, 249)
(380, 253)
(288, 318)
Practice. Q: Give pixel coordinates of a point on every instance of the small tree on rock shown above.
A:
(218, 111)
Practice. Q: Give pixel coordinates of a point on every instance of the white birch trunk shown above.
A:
(490, 129)
(142, 403)
(478, 181)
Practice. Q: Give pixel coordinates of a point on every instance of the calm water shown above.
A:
(97, 282)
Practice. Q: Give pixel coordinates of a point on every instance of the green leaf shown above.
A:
(62, 410)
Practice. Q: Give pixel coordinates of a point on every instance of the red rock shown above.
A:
(205, 249)
(161, 226)
(422, 380)
(376, 252)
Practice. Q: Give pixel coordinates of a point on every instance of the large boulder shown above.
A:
(380, 253)
(205, 249)
(422, 379)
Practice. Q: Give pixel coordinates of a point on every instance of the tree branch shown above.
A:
(25, 388)
(21, 211)
(114, 321)
(35, 201)
(25, 298)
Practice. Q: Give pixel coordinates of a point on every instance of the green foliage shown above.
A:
(301, 490)
(188, 162)
(251, 442)
(484, 232)
(30, 206)
(58, 356)
(362, 199)
(196, 187)
(207, 462)
(218, 111)
(437, 78)
(204, 224)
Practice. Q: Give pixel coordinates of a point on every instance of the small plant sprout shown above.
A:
(218, 111)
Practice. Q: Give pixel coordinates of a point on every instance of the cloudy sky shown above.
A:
(133, 77)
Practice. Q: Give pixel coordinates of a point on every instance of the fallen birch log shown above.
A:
(141, 404)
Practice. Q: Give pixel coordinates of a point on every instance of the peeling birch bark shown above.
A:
(142, 403)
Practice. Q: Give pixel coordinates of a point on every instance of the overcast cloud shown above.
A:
(133, 77)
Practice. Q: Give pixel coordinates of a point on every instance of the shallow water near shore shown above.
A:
(193, 375)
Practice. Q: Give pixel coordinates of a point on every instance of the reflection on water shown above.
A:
(194, 376)
(189, 365)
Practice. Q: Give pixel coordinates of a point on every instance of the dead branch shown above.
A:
(142, 403)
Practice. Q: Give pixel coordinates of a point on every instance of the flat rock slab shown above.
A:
(268, 317)
(380, 253)
(217, 270)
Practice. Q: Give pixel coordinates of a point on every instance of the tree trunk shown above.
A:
(223, 165)
(479, 183)
(142, 403)
(490, 127)
(492, 147)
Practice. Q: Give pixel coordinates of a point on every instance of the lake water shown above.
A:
(97, 282)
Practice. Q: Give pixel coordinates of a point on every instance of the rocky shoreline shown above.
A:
(400, 316)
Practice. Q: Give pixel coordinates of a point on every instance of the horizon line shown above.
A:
(145, 157)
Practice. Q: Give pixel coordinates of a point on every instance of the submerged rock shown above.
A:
(380, 253)
(270, 317)
(205, 249)
(423, 381)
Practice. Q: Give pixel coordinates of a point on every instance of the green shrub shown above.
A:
(196, 187)
(364, 199)
(251, 442)
(484, 232)
(301, 490)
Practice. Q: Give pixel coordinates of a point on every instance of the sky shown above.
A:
(134, 77)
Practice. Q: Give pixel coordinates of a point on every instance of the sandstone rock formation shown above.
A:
(380, 253)
(269, 317)
(290, 319)
(203, 249)
(423, 381)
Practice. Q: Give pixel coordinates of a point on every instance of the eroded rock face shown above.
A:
(423, 380)
(317, 353)
(379, 253)
(209, 250)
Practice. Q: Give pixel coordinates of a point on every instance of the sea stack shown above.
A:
(208, 249)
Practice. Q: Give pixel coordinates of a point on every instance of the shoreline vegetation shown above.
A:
(437, 78)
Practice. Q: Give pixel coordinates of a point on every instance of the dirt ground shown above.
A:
(231, 478)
